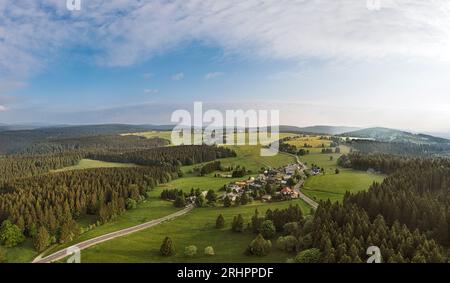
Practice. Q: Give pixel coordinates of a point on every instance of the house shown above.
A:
(266, 198)
(231, 196)
(286, 191)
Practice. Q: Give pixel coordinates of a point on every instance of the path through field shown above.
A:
(91, 242)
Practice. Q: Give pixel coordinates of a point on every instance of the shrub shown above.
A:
(211, 196)
(200, 201)
(179, 201)
(291, 228)
(220, 222)
(130, 203)
(10, 234)
(259, 246)
(308, 256)
(209, 251)
(268, 229)
(167, 248)
(287, 243)
(190, 251)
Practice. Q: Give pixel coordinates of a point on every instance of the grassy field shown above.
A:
(23, 253)
(196, 228)
(89, 164)
(310, 140)
(334, 186)
(145, 211)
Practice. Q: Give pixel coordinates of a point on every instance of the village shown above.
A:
(270, 185)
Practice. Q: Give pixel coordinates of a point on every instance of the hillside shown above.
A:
(319, 129)
(392, 135)
(13, 141)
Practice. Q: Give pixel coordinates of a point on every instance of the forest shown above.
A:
(400, 148)
(179, 155)
(46, 206)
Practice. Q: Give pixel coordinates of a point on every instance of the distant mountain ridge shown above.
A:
(393, 135)
(318, 129)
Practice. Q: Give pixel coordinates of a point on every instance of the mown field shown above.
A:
(334, 186)
(196, 228)
(89, 164)
(331, 185)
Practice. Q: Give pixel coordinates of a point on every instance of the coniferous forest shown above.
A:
(34, 202)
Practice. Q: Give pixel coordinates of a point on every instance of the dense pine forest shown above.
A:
(407, 215)
(19, 166)
(180, 155)
(55, 201)
(403, 148)
(95, 143)
(45, 206)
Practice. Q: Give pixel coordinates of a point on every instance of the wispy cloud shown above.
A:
(3, 108)
(177, 77)
(147, 76)
(151, 91)
(31, 32)
(213, 75)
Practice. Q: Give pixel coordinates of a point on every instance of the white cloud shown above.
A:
(3, 108)
(177, 77)
(127, 32)
(151, 91)
(213, 75)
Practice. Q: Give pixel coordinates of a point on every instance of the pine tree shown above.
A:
(42, 239)
(220, 222)
(227, 201)
(167, 248)
(238, 224)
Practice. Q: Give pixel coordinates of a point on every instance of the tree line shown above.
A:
(401, 148)
(179, 155)
(20, 166)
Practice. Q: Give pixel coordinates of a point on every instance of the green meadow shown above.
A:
(196, 228)
(331, 185)
(89, 164)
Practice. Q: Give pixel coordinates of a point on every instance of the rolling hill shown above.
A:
(392, 135)
(319, 129)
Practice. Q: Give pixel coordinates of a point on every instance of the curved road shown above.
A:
(94, 241)
(304, 197)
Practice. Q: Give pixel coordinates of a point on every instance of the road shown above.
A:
(91, 242)
(297, 187)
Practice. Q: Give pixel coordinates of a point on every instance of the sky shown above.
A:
(353, 62)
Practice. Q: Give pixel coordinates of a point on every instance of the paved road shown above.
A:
(88, 243)
(297, 187)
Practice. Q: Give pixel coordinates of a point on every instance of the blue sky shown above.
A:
(135, 61)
